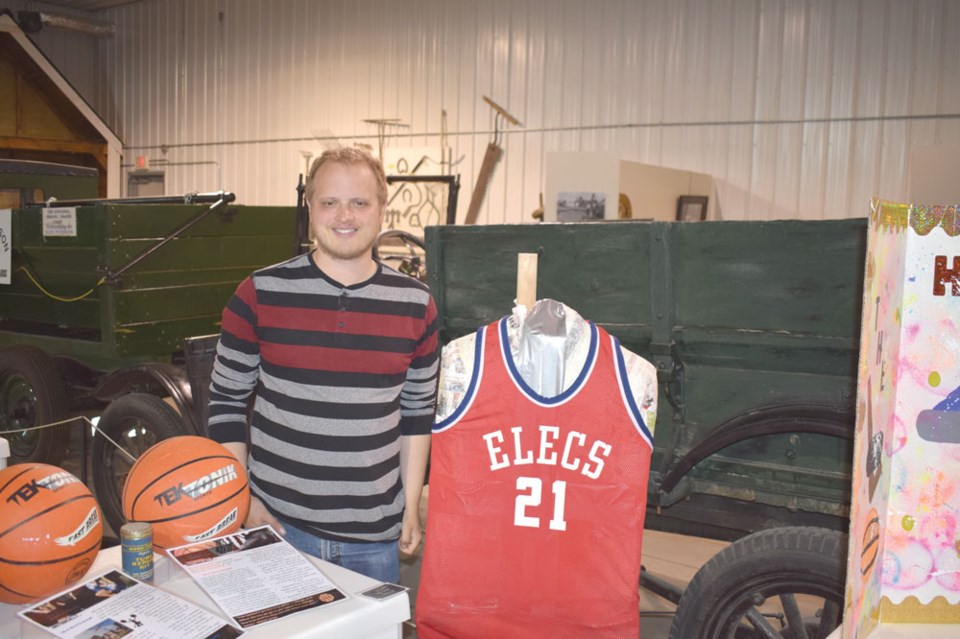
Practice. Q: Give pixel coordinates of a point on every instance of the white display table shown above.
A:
(356, 617)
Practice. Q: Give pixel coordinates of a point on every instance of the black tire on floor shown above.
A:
(135, 422)
(404, 252)
(32, 394)
(789, 581)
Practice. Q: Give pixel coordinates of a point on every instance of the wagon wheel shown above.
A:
(135, 422)
(782, 583)
(32, 394)
(402, 250)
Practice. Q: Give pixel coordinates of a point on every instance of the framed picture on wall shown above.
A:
(691, 208)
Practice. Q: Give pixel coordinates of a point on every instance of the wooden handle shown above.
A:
(527, 279)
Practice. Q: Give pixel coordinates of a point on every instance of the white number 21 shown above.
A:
(530, 489)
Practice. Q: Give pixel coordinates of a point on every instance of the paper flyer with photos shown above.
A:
(115, 605)
(256, 576)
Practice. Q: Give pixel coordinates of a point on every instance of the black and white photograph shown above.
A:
(583, 206)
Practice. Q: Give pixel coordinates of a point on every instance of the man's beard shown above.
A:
(345, 250)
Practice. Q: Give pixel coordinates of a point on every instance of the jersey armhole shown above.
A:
(626, 394)
(471, 392)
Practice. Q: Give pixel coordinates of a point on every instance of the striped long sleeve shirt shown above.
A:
(340, 374)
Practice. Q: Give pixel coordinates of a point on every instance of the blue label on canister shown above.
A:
(136, 550)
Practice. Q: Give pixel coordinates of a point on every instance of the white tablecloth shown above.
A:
(356, 617)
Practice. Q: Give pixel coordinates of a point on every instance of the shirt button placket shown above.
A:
(341, 309)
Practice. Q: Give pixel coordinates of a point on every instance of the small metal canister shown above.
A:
(136, 549)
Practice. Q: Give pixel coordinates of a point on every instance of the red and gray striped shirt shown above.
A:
(340, 374)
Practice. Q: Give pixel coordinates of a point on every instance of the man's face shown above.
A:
(345, 214)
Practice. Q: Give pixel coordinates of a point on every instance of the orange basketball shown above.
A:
(50, 531)
(870, 544)
(190, 489)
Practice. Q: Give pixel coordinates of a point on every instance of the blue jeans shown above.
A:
(379, 560)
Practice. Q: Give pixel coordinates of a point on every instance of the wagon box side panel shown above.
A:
(158, 220)
(766, 324)
(180, 290)
(49, 267)
(597, 271)
(200, 254)
(791, 277)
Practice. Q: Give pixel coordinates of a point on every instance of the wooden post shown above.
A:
(490, 159)
(527, 279)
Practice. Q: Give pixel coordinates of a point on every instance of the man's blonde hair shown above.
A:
(352, 156)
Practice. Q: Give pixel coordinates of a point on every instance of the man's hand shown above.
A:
(411, 532)
(414, 451)
(260, 516)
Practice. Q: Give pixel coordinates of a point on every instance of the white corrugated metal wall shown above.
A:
(800, 108)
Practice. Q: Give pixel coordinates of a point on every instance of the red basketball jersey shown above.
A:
(536, 504)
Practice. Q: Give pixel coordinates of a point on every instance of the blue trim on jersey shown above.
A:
(529, 392)
(627, 395)
(471, 388)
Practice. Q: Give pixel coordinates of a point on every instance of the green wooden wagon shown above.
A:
(754, 331)
(115, 306)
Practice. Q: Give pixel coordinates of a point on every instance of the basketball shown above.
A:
(870, 543)
(50, 531)
(189, 488)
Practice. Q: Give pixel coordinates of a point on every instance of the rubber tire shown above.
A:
(779, 560)
(134, 411)
(414, 264)
(34, 379)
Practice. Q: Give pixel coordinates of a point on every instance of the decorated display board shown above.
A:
(904, 555)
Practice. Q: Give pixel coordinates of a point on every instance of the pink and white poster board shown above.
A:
(904, 553)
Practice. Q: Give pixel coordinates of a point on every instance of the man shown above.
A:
(342, 353)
